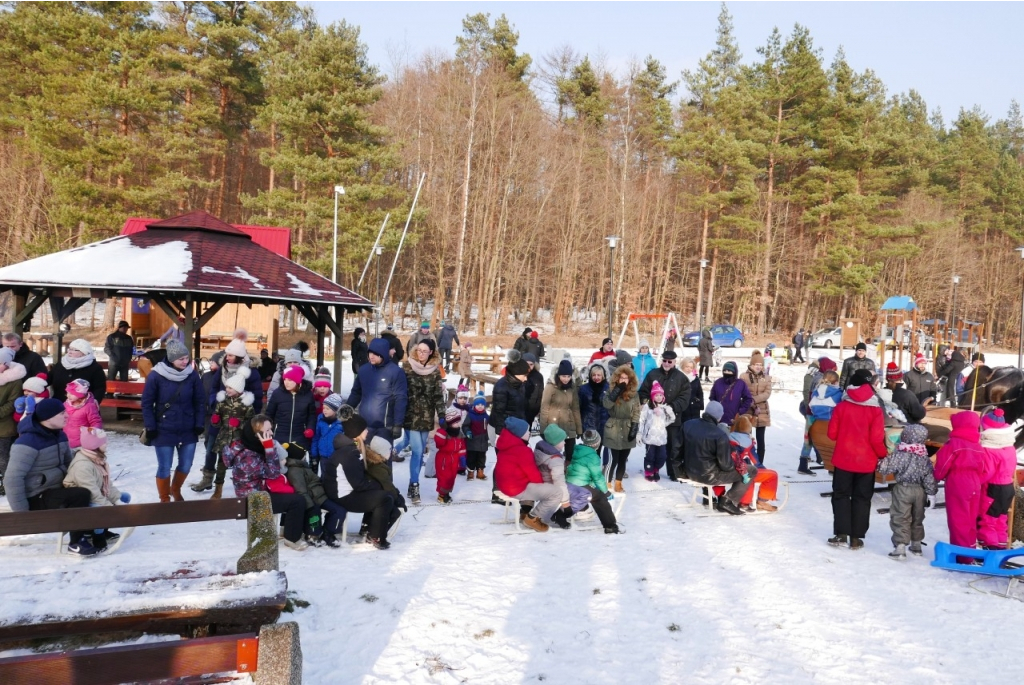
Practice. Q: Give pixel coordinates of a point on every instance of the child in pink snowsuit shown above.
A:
(997, 440)
(82, 411)
(961, 463)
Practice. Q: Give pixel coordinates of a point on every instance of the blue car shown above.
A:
(722, 335)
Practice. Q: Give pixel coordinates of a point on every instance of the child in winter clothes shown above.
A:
(33, 390)
(375, 460)
(550, 457)
(741, 447)
(89, 470)
(475, 430)
(655, 418)
(825, 397)
(915, 480)
(306, 483)
(233, 409)
(450, 447)
(321, 388)
(961, 462)
(82, 411)
(292, 408)
(328, 425)
(997, 441)
(585, 471)
(461, 403)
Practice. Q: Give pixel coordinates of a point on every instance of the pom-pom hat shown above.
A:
(993, 419)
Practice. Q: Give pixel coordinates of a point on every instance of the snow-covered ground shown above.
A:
(678, 598)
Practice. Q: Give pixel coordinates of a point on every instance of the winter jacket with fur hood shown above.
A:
(11, 379)
(561, 406)
(623, 406)
(83, 473)
(760, 386)
(229, 415)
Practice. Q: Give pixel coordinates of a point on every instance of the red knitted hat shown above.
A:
(893, 372)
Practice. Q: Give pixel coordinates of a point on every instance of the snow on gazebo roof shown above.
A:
(195, 253)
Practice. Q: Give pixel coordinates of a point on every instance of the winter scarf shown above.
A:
(229, 370)
(100, 460)
(251, 440)
(997, 438)
(423, 369)
(71, 363)
(171, 373)
(912, 448)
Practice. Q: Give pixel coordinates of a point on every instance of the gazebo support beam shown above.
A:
(30, 309)
(62, 310)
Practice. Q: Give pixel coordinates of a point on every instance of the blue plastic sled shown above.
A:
(992, 562)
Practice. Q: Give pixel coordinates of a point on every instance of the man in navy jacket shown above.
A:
(380, 392)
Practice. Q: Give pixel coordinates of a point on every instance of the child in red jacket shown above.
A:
(450, 447)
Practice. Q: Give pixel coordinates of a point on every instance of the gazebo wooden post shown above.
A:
(321, 311)
(339, 316)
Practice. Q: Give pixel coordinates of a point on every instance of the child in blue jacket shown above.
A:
(328, 425)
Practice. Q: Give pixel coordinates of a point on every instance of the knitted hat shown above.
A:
(81, 345)
(236, 383)
(36, 384)
(322, 379)
(715, 410)
(861, 346)
(236, 348)
(656, 390)
(176, 351)
(553, 434)
(48, 408)
(814, 363)
(513, 355)
(517, 368)
(919, 359)
(480, 399)
(429, 342)
(643, 343)
(730, 368)
(292, 356)
(606, 341)
(893, 372)
(993, 419)
(914, 433)
(825, 365)
(334, 401)
(6, 356)
(294, 451)
(94, 439)
(294, 373)
(217, 358)
(591, 438)
(530, 357)
(380, 446)
(533, 334)
(564, 368)
(467, 344)
(424, 324)
(861, 377)
(756, 358)
(517, 427)
(354, 426)
(77, 389)
(453, 417)
(669, 354)
(462, 391)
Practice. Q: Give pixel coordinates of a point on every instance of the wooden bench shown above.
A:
(128, 400)
(480, 381)
(495, 360)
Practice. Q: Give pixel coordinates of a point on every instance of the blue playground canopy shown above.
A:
(899, 303)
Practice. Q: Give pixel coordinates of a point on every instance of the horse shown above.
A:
(1001, 387)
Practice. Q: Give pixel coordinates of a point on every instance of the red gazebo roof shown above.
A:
(274, 238)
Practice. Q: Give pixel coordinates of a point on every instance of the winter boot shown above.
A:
(765, 505)
(838, 540)
(915, 547)
(899, 553)
(856, 543)
(414, 493)
(470, 474)
(444, 499)
(535, 523)
(163, 488)
(176, 482)
(649, 475)
(612, 530)
(364, 530)
(206, 483)
(559, 519)
(396, 457)
(379, 543)
(218, 491)
(618, 486)
(804, 469)
(480, 475)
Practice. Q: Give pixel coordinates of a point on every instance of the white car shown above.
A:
(826, 337)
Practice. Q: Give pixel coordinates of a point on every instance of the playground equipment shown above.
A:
(633, 317)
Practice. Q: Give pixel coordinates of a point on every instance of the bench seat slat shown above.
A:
(121, 516)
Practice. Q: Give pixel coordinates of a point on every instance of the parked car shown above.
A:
(826, 337)
(722, 335)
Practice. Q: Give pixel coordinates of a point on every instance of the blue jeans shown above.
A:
(165, 455)
(418, 443)
(402, 442)
(805, 451)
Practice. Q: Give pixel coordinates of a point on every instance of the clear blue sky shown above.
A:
(956, 54)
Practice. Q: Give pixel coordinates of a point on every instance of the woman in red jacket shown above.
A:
(517, 475)
(858, 428)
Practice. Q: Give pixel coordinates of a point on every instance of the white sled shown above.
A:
(703, 496)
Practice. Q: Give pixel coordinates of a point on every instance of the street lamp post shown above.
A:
(700, 295)
(380, 305)
(613, 240)
(335, 343)
(1020, 345)
(952, 317)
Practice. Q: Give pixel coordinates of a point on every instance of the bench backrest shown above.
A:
(122, 516)
(125, 387)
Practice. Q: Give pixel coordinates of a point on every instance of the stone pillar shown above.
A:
(261, 552)
(279, 660)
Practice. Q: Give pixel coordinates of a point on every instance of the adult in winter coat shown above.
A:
(516, 474)
(920, 381)
(508, 399)
(534, 345)
(671, 338)
(620, 431)
(1001, 466)
(360, 350)
(267, 366)
(33, 363)
(12, 375)
(254, 459)
(236, 361)
(585, 472)
(292, 408)
(962, 463)
(380, 392)
(560, 406)
(706, 353)
(39, 461)
(119, 348)
(464, 365)
(592, 411)
(644, 361)
(426, 406)
(950, 369)
(696, 406)
(397, 349)
(606, 350)
(79, 362)
(419, 336)
(707, 458)
(798, 347)
(677, 389)
(760, 385)
(522, 343)
(858, 361)
(858, 428)
(174, 415)
(446, 336)
(534, 388)
(732, 392)
(904, 400)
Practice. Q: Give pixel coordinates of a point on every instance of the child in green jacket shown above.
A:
(585, 471)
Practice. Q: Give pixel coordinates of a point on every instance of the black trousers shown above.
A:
(62, 498)
(446, 358)
(675, 447)
(851, 502)
(119, 372)
(704, 372)
(759, 434)
(293, 506)
(618, 464)
(475, 459)
(570, 445)
(379, 505)
(798, 354)
(599, 501)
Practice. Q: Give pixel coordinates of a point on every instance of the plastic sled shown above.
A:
(992, 562)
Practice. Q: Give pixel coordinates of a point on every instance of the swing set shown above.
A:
(633, 318)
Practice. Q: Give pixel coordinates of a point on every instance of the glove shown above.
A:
(198, 431)
(215, 419)
(234, 422)
(615, 392)
(396, 432)
(125, 498)
(308, 433)
(151, 434)
(20, 403)
(633, 428)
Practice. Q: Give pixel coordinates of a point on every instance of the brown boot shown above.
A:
(618, 486)
(535, 523)
(218, 489)
(176, 483)
(765, 505)
(480, 475)
(163, 488)
(470, 474)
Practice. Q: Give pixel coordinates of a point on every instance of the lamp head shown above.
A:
(956, 280)
(340, 190)
(613, 241)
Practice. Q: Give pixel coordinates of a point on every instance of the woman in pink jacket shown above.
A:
(83, 411)
(1001, 457)
(961, 463)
